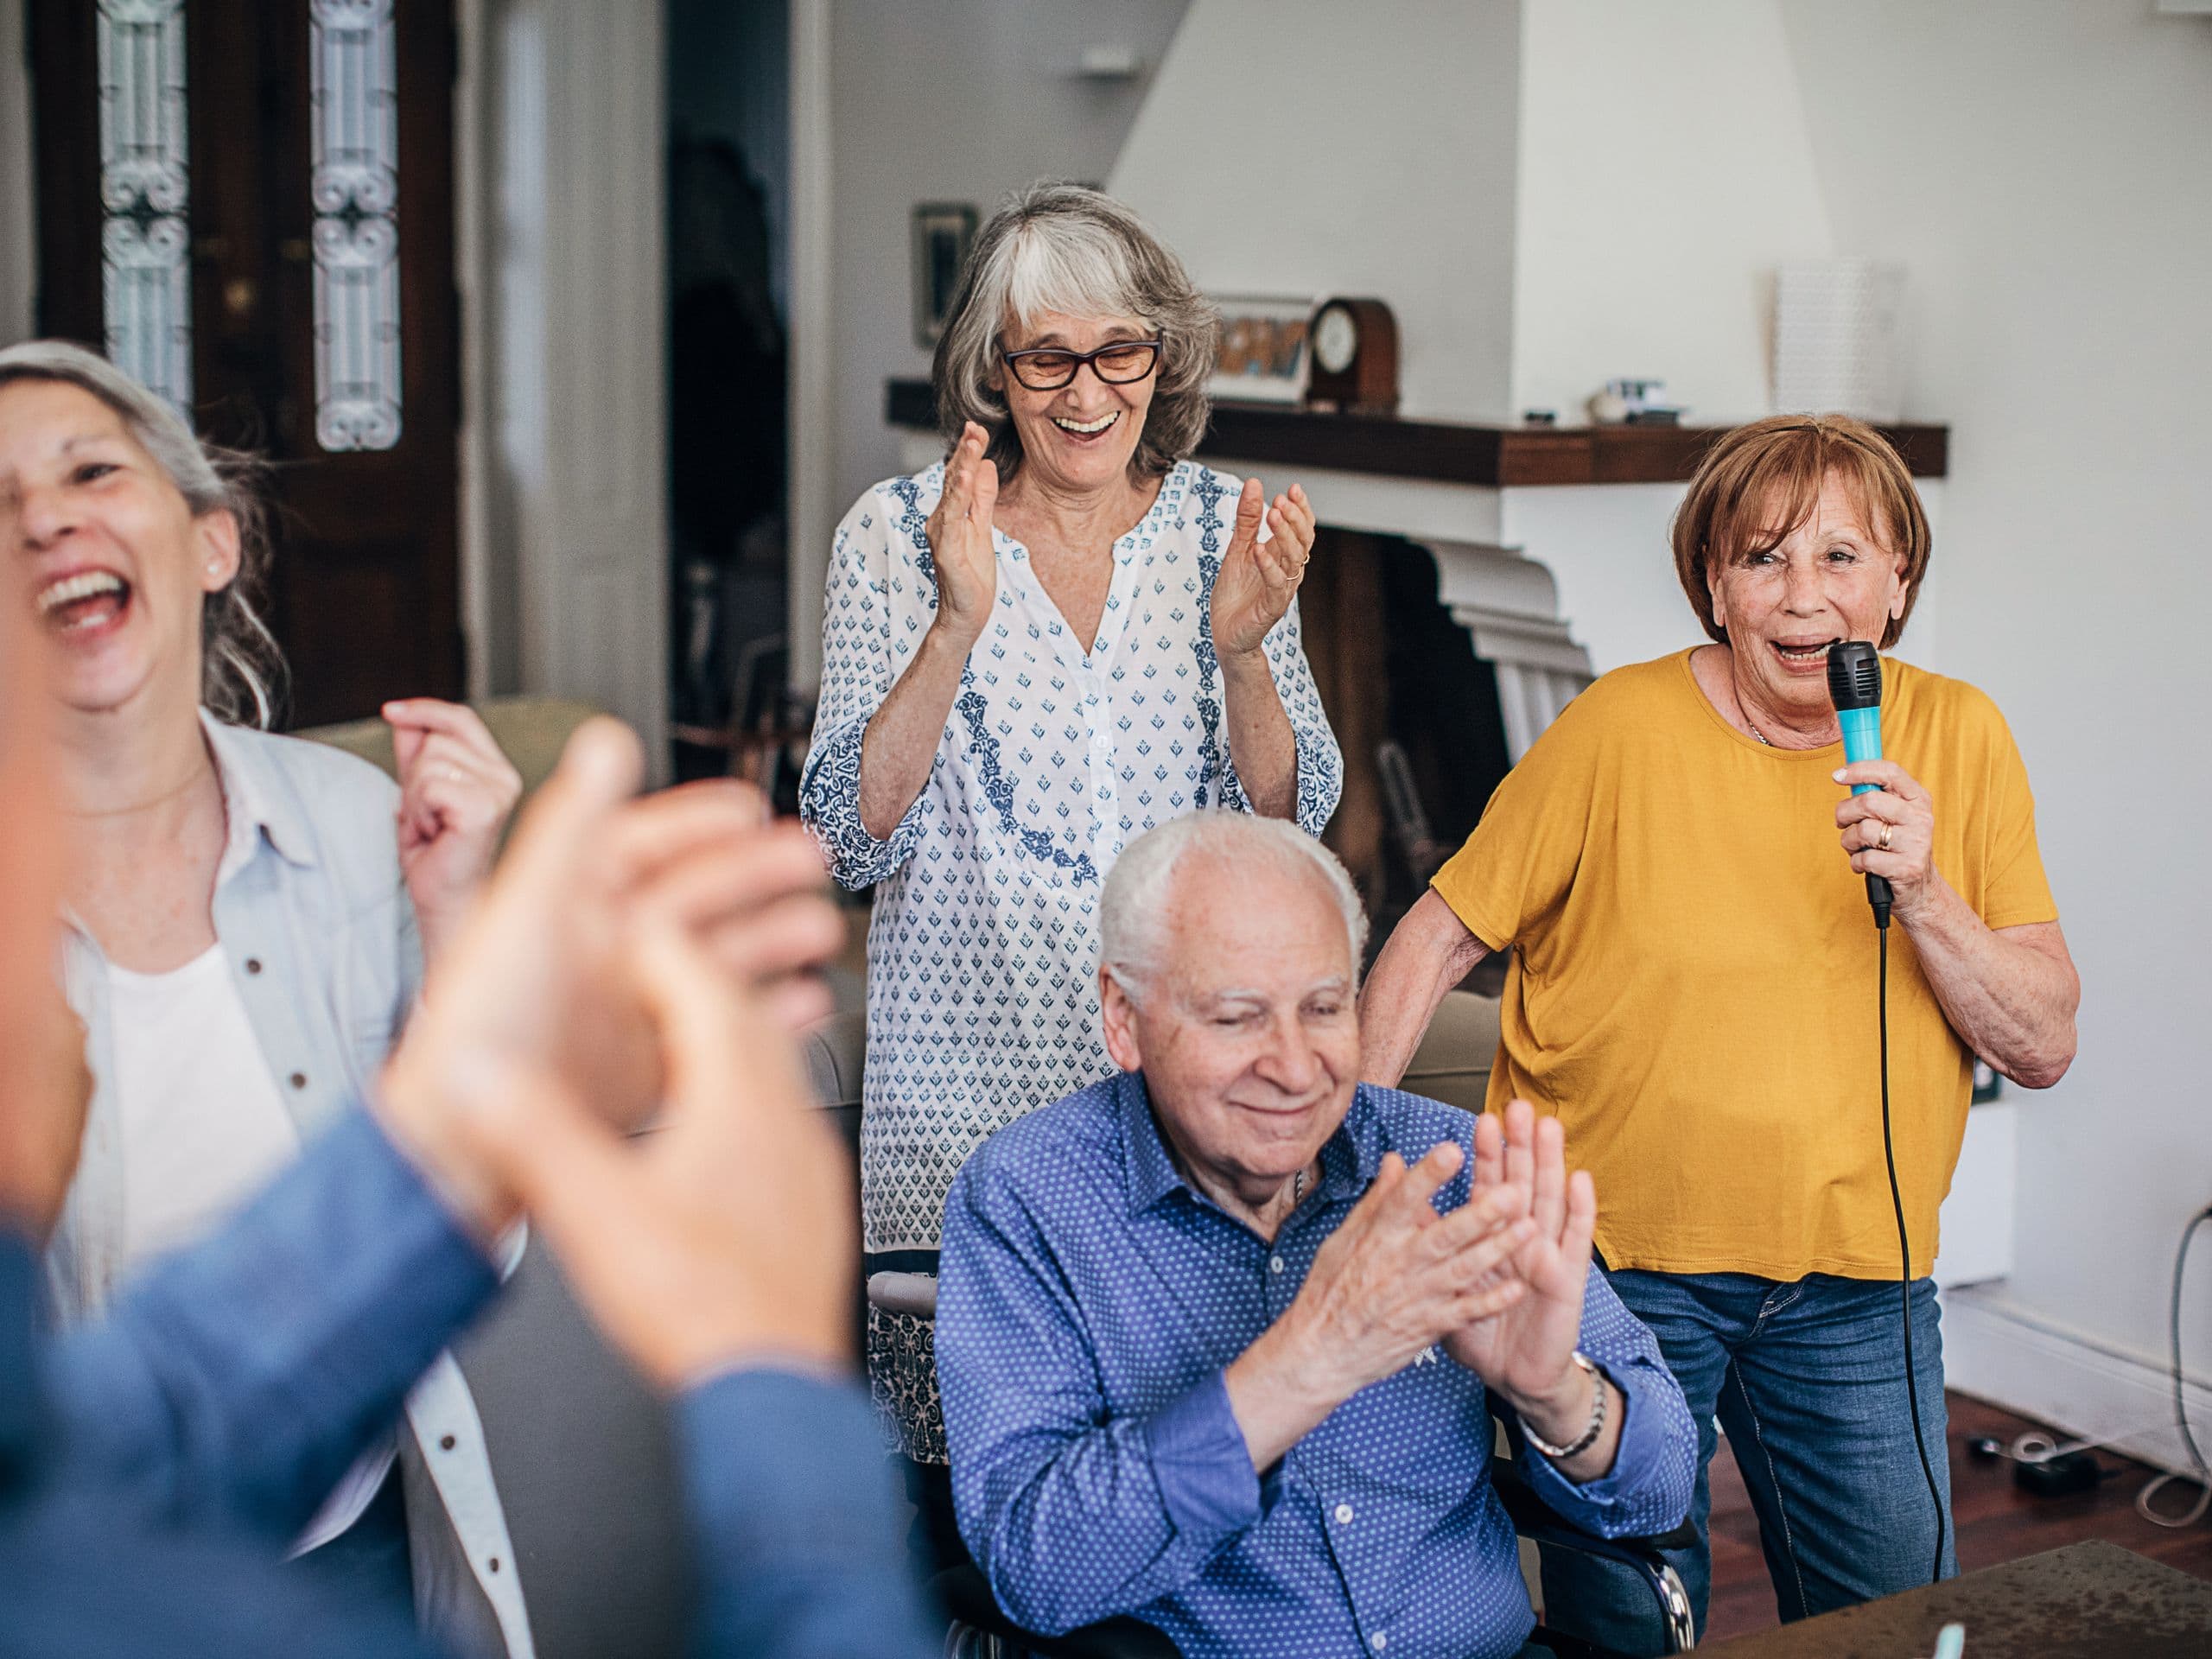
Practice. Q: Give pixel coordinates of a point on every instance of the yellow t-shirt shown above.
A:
(1693, 992)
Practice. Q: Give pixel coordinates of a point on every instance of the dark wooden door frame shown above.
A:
(365, 588)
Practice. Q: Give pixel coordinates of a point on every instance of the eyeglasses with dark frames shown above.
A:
(1047, 368)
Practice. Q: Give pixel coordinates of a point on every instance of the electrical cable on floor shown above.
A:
(2202, 1477)
(1904, 1248)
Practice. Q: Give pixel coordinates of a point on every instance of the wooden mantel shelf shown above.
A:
(1452, 452)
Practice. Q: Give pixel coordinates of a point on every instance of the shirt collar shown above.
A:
(1349, 1157)
(256, 806)
(1150, 1173)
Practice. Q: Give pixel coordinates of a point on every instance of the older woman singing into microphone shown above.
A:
(1675, 865)
(1063, 635)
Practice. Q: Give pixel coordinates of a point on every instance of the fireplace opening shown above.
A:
(1416, 712)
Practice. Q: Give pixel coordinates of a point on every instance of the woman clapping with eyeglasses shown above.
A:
(1065, 635)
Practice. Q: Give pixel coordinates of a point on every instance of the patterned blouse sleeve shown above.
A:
(857, 674)
(1320, 763)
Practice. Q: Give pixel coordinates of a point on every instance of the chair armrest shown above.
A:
(1531, 1517)
(964, 1592)
(1539, 1522)
(903, 1293)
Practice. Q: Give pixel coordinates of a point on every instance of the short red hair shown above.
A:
(1761, 481)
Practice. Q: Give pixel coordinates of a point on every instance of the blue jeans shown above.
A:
(1807, 1378)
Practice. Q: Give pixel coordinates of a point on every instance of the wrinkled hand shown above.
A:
(727, 1237)
(1525, 1351)
(540, 976)
(456, 790)
(1257, 580)
(1396, 1276)
(1902, 807)
(959, 534)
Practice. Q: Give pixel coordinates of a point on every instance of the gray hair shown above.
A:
(1138, 899)
(241, 671)
(1065, 248)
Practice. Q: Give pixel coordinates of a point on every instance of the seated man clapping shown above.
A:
(1215, 1336)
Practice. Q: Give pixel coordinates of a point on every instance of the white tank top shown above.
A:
(203, 1129)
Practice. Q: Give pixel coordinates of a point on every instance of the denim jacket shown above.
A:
(320, 934)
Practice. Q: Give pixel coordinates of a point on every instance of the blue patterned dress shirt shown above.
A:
(983, 952)
(1089, 1303)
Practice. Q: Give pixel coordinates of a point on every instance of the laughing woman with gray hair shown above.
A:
(1064, 634)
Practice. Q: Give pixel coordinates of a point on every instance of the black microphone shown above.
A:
(1855, 687)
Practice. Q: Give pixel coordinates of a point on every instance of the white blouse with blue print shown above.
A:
(983, 1000)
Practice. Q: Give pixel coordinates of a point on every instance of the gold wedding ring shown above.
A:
(1883, 845)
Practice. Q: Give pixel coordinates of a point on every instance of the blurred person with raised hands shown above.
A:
(1677, 867)
(1218, 1336)
(247, 913)
(1063, 634)
(153, 1460)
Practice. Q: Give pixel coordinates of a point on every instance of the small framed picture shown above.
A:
(1264, 357)
(943, 233)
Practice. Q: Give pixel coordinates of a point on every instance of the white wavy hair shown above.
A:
(1134, 908)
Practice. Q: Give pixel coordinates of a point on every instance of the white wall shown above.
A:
(1664, 171)
(1311, 147)
(957, 100)
(2040, 169)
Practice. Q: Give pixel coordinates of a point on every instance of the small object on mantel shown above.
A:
(1355, 357)
(1539, 418)
(1109, 61)
(1634, 402)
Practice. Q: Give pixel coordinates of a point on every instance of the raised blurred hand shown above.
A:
(727, 1237)
(44, 1084)
(540, 976)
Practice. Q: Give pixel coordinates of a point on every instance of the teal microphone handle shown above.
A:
(1862, 739)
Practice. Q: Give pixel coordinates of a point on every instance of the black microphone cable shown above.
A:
(1905, 1243)
(1855, 687)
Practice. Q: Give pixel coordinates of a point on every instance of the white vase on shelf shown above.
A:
(1836, 347)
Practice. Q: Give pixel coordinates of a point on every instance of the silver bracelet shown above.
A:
(1588, 1438)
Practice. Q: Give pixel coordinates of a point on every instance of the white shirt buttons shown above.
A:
(1275, 1264)
(1344, 1515)
(1378, 1641)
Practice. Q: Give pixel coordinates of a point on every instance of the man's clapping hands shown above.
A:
(1497, 1281)
(1525, 1351)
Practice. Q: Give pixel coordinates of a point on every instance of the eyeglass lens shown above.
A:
(1117, 364)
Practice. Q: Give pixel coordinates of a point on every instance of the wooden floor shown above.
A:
(1997, 1521)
